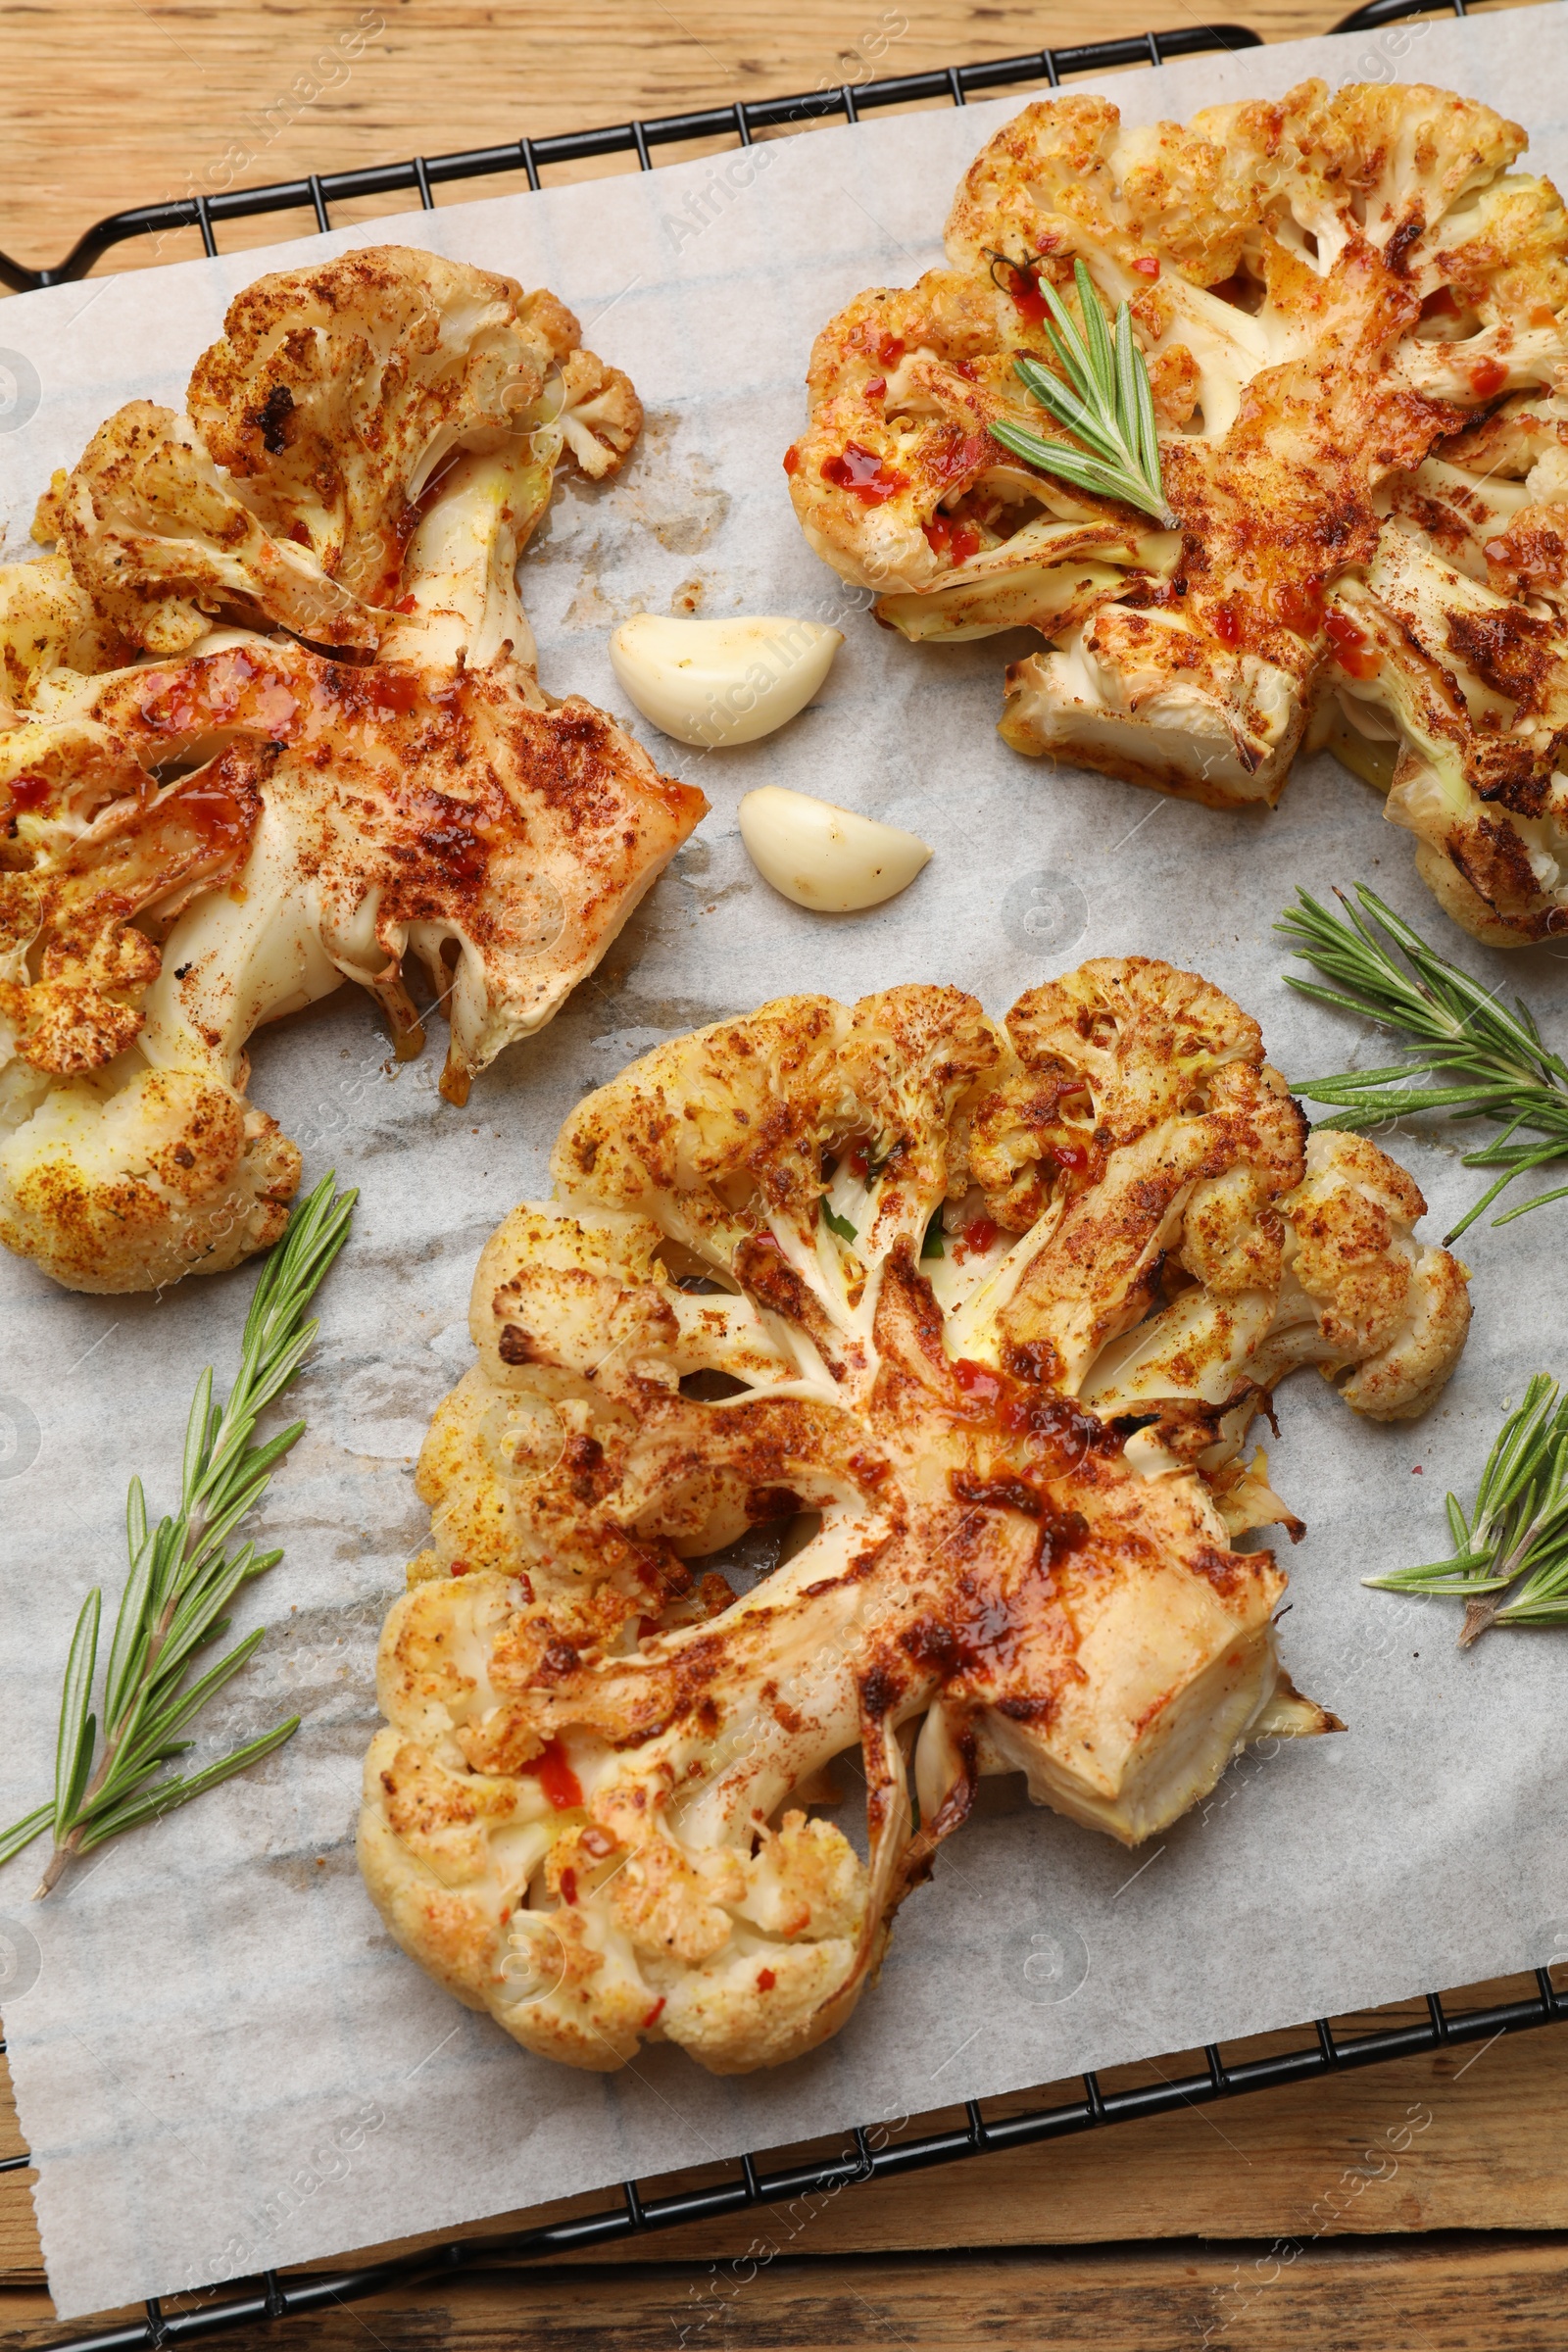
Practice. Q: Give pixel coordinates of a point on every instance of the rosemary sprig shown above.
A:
(1105, 401)
(1495, 1062)
(1510, 1555)
(182, 1579)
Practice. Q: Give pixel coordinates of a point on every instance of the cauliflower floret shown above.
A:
(430, 804)
(1067, 172)
(1361, 1294)
(132, 1176)
(1352, 1289)
(336, 394)
(1323, 290)
(729, 1126)
(161, 543)
(878, 1277)
(317, 426)
(49, 634)
(600, 415)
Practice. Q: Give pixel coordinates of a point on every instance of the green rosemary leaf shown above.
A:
(248, 1482)
(1079, 355)
(1080, 414)
(199, 1606)
(135, 1521)
(1074, 398)
(117, 1761)
(1135, 377)
(1515, 1457)
(1103, 396)
(198, 1438)
(181, 1578)
(1493, 1061)
(1462, 1574)
(22, 1832)
(1074, 466)
(1128, 365)
(840, 1225)
(74, 1739)
(1104, 360)
(1355, 1085)
(181, 1713)
(1548, 1610)
(1479, 1208)
(1069, 346)
(130, 1630)
(1540, 1200)
(66, 1809)
(169, 1794)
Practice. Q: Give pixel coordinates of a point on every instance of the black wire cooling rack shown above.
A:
(273, 2295)
(318, 191)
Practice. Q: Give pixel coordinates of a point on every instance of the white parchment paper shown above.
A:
(222, 2061)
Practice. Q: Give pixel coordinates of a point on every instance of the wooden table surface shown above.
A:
(1271, 2220)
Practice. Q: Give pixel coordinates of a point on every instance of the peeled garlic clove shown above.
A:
(719, 682)
(826, 857)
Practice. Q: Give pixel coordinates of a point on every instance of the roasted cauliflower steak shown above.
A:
(1354, 317)
(270, 722)
(954, 1330)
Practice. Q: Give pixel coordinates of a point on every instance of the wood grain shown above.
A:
(155, 99)
(1505, 2294)
(20, 2257)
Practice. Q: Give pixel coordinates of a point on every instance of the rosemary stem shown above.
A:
(1480, 1612)
(1479, 1615)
